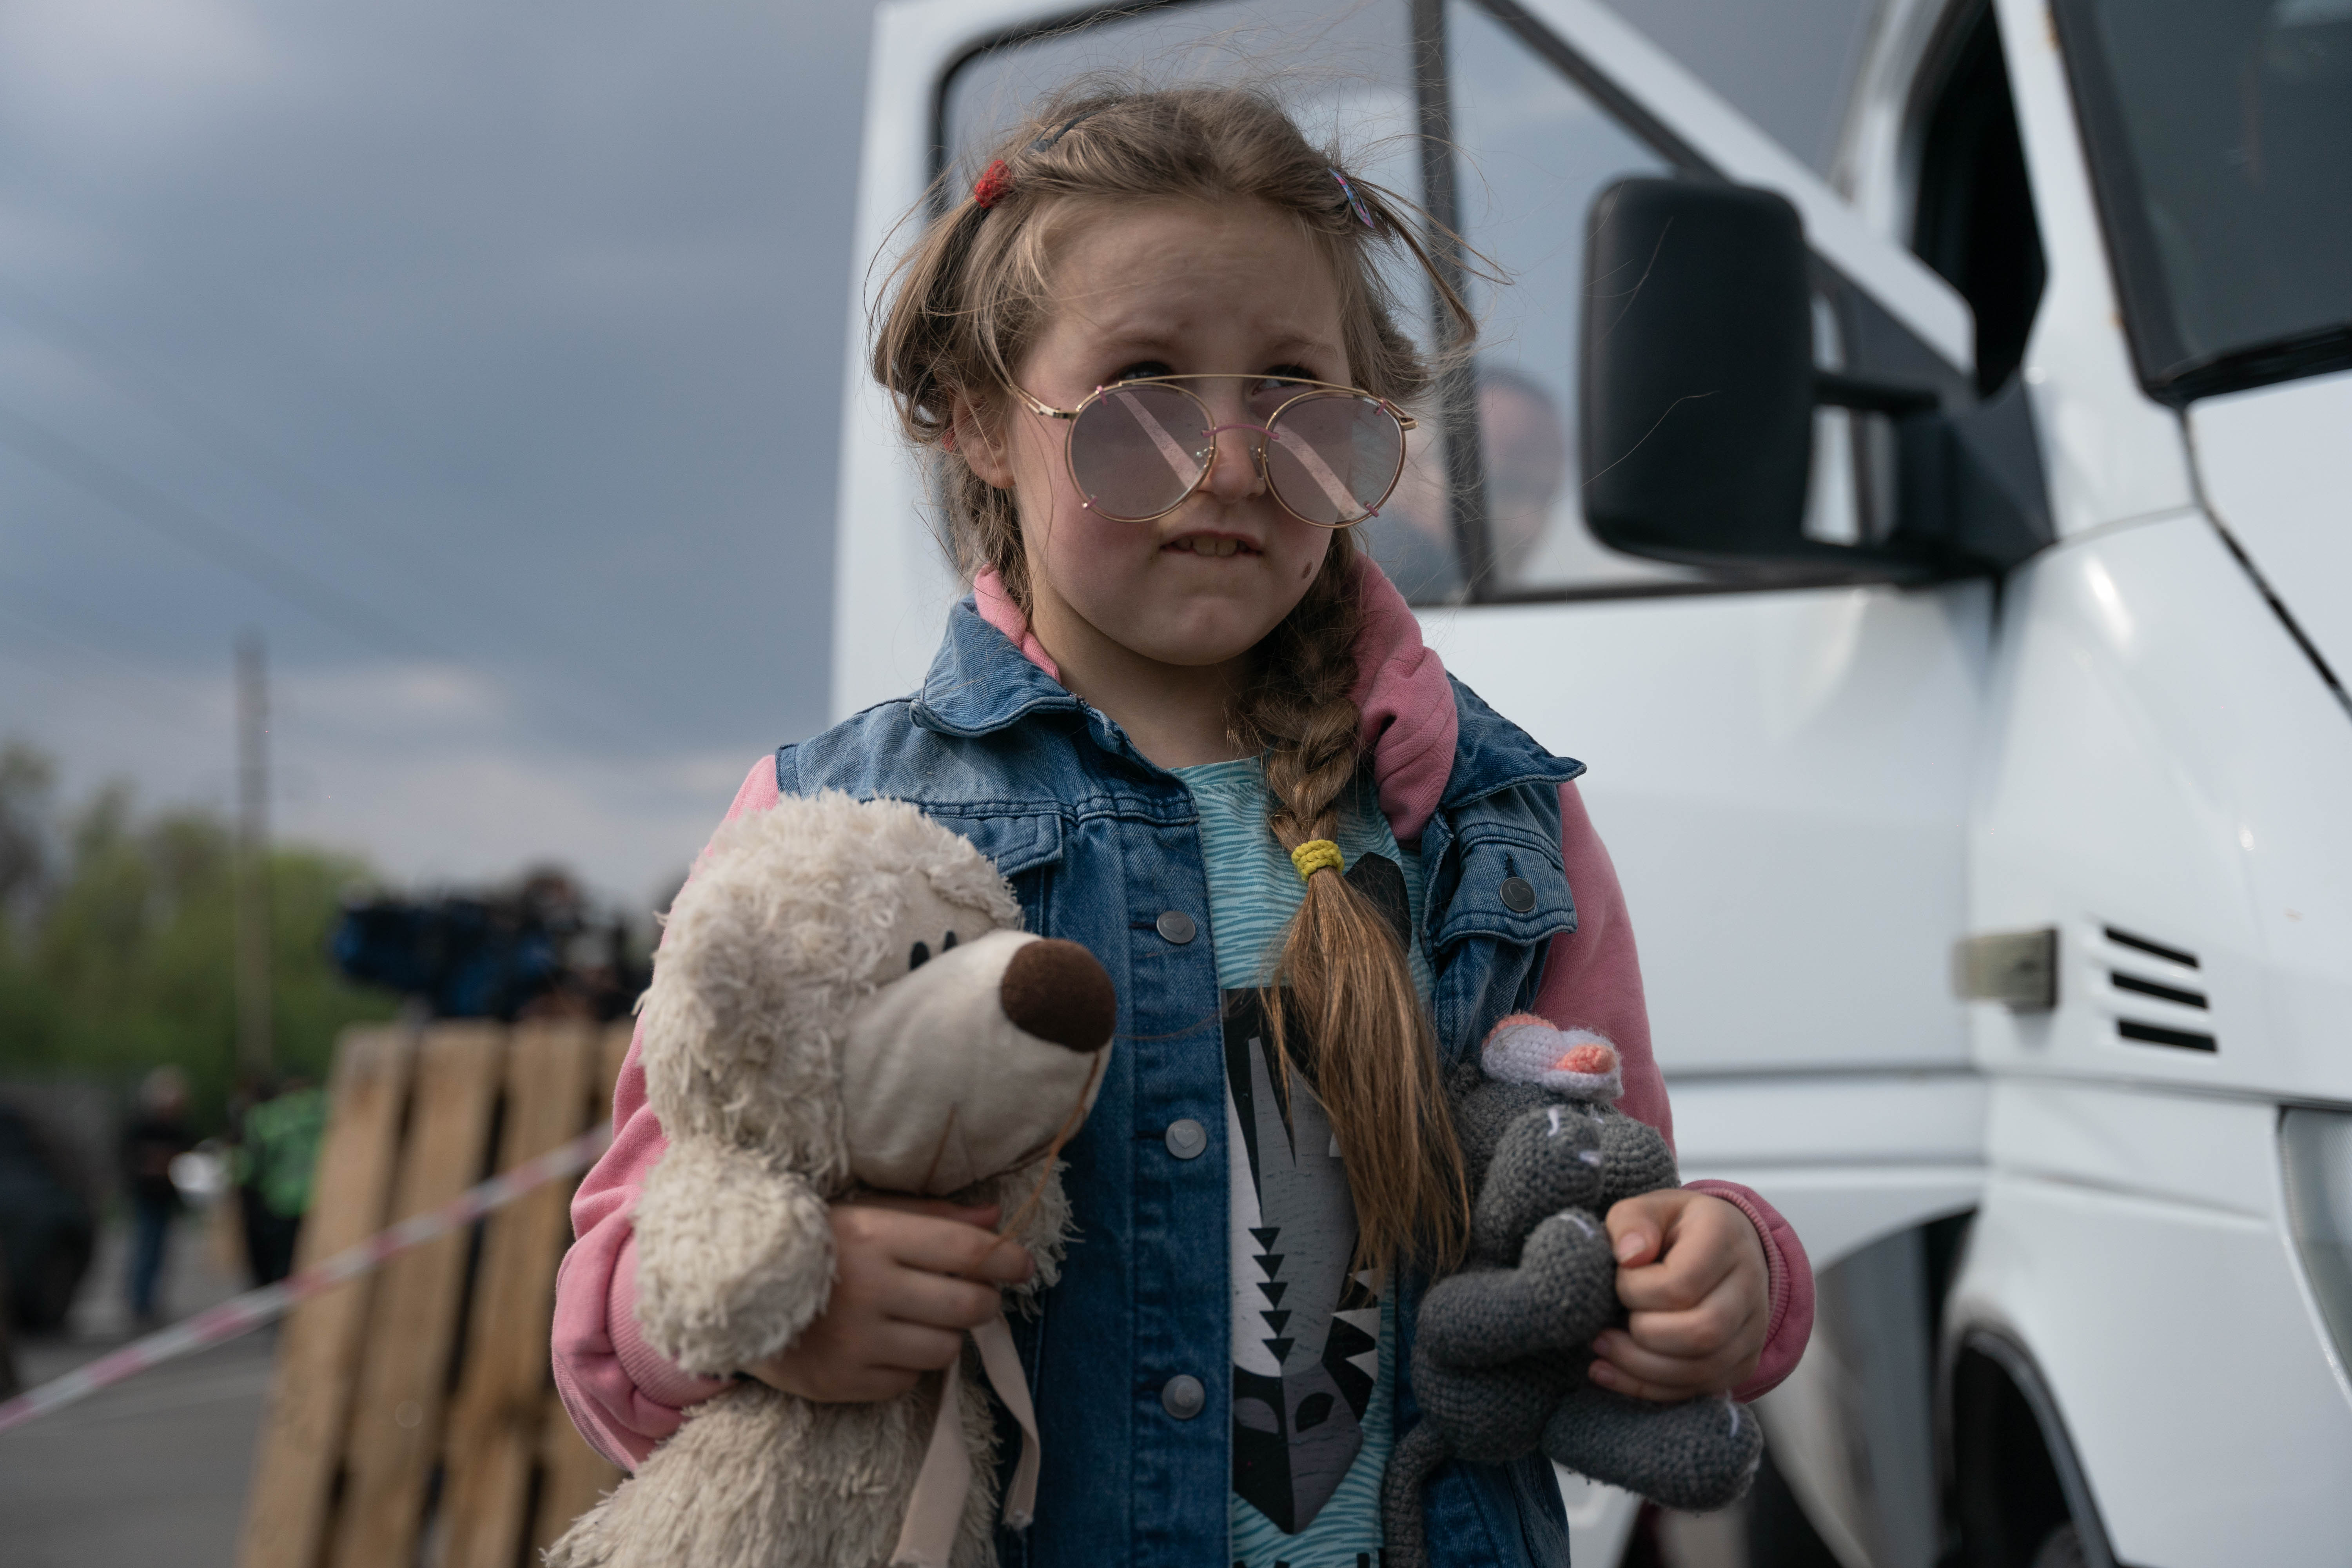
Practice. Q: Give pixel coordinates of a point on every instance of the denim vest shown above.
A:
(1102, 847)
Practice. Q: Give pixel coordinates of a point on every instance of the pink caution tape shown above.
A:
(240, 1314)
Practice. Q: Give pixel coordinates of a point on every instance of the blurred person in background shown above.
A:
(276, 1158)
(1526, 464)
(157, 1135)
(1525, 449)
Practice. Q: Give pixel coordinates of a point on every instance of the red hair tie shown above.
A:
(995, 184)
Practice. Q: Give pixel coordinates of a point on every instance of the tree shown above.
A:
(123, 956)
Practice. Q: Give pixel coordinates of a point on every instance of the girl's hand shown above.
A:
(911, 1275)
(1692, 1272)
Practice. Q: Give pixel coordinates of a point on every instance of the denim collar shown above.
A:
(1492, 754)
(981, 683)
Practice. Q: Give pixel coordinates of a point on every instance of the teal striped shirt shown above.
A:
(1314, 1343)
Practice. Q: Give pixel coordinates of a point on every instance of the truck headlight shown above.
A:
(2318, 1149)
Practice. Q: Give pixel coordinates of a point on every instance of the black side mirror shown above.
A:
(1696, 409)
(1696, 415)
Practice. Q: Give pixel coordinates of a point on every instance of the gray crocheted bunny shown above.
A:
(1499, 1361)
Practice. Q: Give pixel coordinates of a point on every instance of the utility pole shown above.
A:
(253, 992)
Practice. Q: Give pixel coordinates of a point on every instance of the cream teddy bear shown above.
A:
(843, 1000)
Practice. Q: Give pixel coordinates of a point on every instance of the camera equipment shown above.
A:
(535, 949)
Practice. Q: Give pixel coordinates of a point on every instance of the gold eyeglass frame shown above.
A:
(1310, 389)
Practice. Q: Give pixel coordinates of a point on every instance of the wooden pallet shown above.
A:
(411, 1418)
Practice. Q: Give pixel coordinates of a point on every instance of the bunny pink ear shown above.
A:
(1590, 1059)
(1576, 1063)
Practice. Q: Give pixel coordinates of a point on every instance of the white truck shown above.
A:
(1945, 569)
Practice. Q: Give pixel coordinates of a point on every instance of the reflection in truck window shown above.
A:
(1534, 149)
(1524, 444)
(2221, 134)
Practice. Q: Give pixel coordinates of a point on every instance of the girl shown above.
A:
(1160, 370)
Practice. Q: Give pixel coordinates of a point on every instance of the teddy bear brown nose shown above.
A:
(1056, 991)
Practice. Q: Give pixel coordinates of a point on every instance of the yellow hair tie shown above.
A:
(1316, 854)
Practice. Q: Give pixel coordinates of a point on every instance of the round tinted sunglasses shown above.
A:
(1137, 449)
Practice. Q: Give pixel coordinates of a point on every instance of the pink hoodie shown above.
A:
(625, 1396)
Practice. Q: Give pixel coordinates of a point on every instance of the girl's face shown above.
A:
(1172, 288)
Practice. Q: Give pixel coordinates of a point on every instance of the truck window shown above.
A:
(2220, 133)
(1346, 71)
(1532, 152)
(1973, 219)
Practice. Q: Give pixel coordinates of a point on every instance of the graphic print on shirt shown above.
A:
(1306, 1329)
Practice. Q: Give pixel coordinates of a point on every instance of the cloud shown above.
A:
(128, 72)
(415, 767)
(517, 330)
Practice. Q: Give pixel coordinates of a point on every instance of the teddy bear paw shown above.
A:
(734, 1258)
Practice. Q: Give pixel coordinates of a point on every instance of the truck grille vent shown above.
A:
(2151, 988)
(2157, 1035)
(2154, 949)
(2175, 997)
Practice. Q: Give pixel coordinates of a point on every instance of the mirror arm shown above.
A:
(1958, 499)
(1956, 514)
(1833, 390)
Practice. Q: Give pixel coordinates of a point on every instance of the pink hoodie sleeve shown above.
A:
(623, 1395)
(1592, 979)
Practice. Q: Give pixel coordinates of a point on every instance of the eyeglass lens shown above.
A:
(1137, 450)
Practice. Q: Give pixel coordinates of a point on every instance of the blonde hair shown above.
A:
(962, 310)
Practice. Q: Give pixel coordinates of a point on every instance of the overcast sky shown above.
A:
(485, 357)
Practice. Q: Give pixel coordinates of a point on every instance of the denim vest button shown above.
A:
(1519, 895)
(1182, 1396)
(1187, 1138)
(1178, 927)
